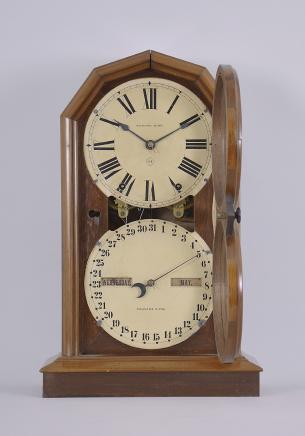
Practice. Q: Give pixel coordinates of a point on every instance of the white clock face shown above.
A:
(148, 142)
(148, 284)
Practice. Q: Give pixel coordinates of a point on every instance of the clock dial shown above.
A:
(148, 284)
(148, 142)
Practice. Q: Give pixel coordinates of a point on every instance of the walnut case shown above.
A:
(92, 363)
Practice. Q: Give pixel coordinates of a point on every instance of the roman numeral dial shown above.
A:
(189, 121)
(113, 123)
(196, 144)
(147, 142)
(150, 98)
(126, 103)
(103, 146)
(109, 167)
(126, 184)
(150, 191)
(172, 104)
(176, 186)
(190, 167)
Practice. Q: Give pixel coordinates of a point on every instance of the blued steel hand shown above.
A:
(126, 128)
(168, 134)
(153, 281)
(183, 125)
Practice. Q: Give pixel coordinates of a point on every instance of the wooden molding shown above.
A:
(97, 363)
(150, 376)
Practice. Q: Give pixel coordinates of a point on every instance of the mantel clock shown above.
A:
(152, 280)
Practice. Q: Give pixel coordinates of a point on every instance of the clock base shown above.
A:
(129, 376)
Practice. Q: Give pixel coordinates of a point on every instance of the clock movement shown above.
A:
(151, 261)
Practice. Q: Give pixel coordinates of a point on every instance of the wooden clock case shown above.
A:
(92, 363)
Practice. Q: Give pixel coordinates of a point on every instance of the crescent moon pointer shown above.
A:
(142, 289)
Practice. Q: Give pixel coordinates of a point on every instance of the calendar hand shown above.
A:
(151, 282)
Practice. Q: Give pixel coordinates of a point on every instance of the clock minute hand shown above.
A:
(168, 134)
(151, 282)
(126, 128)
(183, 125)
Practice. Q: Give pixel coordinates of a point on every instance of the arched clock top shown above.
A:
(149, 62)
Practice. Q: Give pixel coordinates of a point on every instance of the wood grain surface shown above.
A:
(92, 363)
(80, 195)
(227, 262)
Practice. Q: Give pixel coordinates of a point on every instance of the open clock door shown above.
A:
(227, 264)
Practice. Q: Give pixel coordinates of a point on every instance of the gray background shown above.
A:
(47, 50)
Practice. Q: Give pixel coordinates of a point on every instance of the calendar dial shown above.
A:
(148, 284)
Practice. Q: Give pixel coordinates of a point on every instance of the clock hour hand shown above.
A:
(126, 128)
